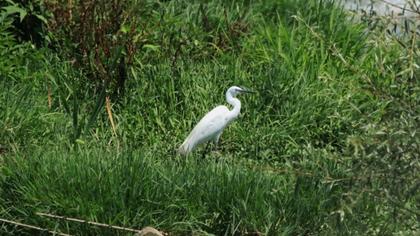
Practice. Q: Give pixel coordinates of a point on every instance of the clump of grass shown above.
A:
(176, 195)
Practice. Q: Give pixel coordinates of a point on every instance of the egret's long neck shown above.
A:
(236, 105)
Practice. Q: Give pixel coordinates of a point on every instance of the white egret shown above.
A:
(211, 126)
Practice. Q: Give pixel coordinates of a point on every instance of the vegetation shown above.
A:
(95, 103)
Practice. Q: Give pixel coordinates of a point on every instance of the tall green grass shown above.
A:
(328, 145)
(179, 195)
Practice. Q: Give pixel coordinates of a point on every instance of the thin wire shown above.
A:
(88, 222)
(33, 227)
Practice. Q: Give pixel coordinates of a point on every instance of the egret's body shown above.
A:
(211, 126)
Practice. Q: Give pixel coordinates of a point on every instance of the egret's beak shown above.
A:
(247, 91)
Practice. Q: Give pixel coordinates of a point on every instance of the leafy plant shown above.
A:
(29, 19)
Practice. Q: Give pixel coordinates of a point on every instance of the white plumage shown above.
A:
(211, 126)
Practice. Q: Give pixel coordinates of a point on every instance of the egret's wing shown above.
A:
(207, 128)
(211, 124)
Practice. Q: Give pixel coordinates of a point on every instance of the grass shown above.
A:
(328, 145)
(176, 194)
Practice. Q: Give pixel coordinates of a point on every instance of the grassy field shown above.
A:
(329, 145)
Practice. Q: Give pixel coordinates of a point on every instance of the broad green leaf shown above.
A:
(42, 18)
(151, 47)
(125, 29)
(15, 9)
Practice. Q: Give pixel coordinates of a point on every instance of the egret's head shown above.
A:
(235, 90)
